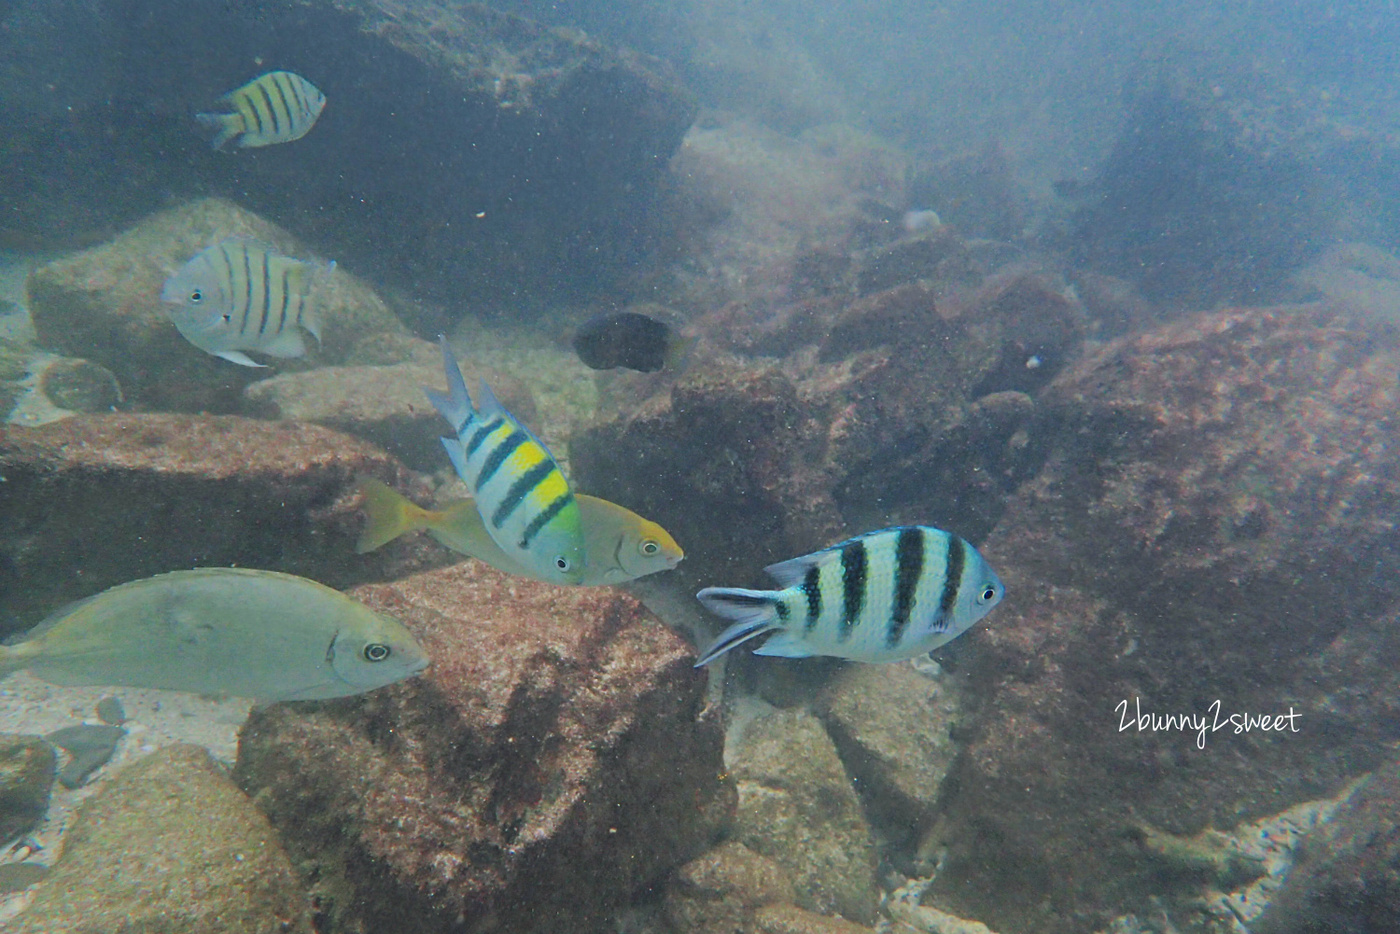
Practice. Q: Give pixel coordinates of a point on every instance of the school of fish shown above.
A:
(879, 597)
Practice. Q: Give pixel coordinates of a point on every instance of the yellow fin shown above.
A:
(390, 514)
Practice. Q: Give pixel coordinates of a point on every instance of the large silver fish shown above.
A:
(239, 294)
(255, 634)
(524, 500)
(277, 107)
(879, 597)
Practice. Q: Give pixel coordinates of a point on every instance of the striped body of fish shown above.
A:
(277, 107)
(879, 597)
(522, 496)
(241, 295)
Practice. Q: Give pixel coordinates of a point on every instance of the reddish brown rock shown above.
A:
(1217, 523)
(550, 763)
(718, 892)
(96, 500)
(872, 419)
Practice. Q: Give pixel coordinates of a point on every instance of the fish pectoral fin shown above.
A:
(233, 356)
(286, 344)
(785, 645)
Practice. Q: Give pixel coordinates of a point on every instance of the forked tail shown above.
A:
(754, 612)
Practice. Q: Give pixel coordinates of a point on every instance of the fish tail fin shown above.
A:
(678, 350)
(313, 276)
(228, 125)
(754, 612)
(390, 514)
(456, 406)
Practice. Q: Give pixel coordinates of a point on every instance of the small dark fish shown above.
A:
(628, 339)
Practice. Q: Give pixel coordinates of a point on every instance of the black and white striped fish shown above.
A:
(277, 107)
(525, 502)
(879, 597)
(241, 295)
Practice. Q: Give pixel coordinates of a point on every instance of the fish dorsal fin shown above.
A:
(791, 572)
(491, 406)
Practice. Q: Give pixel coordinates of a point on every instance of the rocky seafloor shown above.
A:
(1194, 509)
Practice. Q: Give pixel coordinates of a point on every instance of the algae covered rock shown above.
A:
(718, 892)
(797, 808)
(103, 304)
(550, 764)
(169, 845)
(27, 771)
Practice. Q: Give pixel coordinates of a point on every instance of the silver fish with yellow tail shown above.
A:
(621, 546)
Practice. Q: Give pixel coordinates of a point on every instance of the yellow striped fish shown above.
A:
(620, 545)
(240, 295)
(524, 500)
(276, 108)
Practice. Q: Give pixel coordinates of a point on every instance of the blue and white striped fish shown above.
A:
(277, 107)
(239, 295)
(879, 597)
(523, 498)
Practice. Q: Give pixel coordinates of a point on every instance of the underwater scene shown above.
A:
(708, 467)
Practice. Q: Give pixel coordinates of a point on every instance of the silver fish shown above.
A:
(277, 107)
(256, 634)
(239, 294)
(879, 597)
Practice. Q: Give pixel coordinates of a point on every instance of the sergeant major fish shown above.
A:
(524, 501)
(240, 295)
(619, 545)
(277, 107)
(879, 597)
(255, 634)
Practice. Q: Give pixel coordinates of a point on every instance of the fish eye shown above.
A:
(988, 594)
(562, 563)
(649, 548)
(196, 296)
(377, 652)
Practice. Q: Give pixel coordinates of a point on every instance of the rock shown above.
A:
(169, 844)
(80, 385)
(1212, 192)
(718, 893)
(382, 404)
(97, 500)
(89, 746)
(976, 192)
(789, 919)
(104, 304)
(520, 142)
(797, 808)
(549, 764)
(27, 770)
(870, 420)
(1360, 277)
(891, 725)
(1212, 525)
(1346, 878)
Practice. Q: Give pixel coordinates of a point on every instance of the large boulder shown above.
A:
(169, 846)
(549, 765)
(1212, 536)
(468, 154)
(97, 500)
(1346, 879)
(104, 304)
